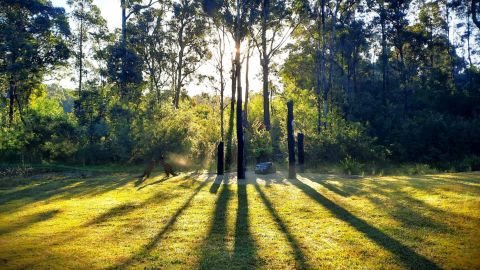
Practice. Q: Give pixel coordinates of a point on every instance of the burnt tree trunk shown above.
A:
(301, 153)
(241, 143)
(220, 157)
(228, 157)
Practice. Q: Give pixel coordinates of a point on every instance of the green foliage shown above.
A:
(350, 166)
(259, 144)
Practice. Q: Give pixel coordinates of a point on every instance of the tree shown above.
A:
(188, 27)
(32, 42)
(89, 24)
(274, 17)
(129, 7)
(238, 15)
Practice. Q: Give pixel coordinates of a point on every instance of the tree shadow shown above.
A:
(244, 252)
(409, 257)
(62, 188)
(214, 249)
(400, 205)
(301, 263)
(30, 220)
(146, 249)
(217, 182)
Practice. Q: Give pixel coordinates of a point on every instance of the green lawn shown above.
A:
(62, 220)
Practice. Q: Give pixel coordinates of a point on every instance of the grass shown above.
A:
(61, 220)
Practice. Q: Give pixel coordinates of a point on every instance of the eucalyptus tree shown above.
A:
(33, 41)
(238, 16)
(151, 40)
(323, 17)
(129, 8)
(89, 24)
(276, 24)
(189, 29)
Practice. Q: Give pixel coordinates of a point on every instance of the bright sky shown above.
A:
(112, 13)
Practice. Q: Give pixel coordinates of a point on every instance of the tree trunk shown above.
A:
(264, 59)
(330, 64)
(178, 87)
(301, 153)
(240, 148)
(247, 84)
(123, 85)
(80, 57)
(222, 90)
(228, 157)
(220, 158)
(318, 88)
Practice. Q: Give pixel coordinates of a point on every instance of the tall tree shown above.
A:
(33, 38)
(189, 28)
(129, 7)
(275, 17)
(89, 23)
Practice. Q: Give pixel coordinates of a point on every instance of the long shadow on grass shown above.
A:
(399, 204)
(297, 251)
(30, 220)
(145, 250)
(409, 257)
(63, 188)
(214, 249)
(244, 252)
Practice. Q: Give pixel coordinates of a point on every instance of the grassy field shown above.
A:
(62, 220)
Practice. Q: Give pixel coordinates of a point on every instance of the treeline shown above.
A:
(373, 81)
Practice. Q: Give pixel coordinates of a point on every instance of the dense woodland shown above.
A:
(372, 81)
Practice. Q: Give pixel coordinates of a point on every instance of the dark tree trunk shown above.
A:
(240, 153)
(301, 153)
(228, 156)
(220, 158)
(291, 142)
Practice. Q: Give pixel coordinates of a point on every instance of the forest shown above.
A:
(373, 81)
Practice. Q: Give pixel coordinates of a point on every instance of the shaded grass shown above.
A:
(205, 222)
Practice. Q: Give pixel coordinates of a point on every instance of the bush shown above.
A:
(350, 166)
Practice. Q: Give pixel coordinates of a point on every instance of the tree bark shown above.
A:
(240, 150)
(228, 157)
(123, 85)
(265, 64)
(301, 152)
(220, 158)
(80, 57)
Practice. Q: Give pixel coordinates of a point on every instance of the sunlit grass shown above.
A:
(319, 222)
